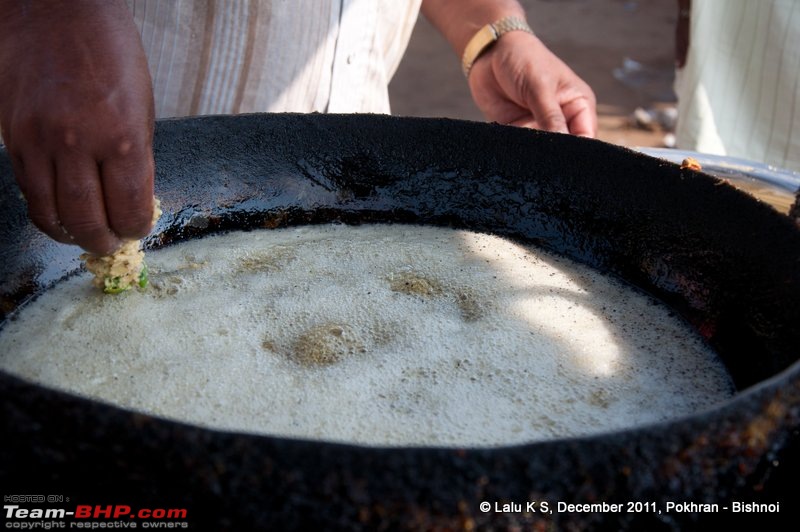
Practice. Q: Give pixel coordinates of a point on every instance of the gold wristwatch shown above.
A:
(488, 35)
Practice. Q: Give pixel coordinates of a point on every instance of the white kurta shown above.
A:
(739, 93)
(240, 56)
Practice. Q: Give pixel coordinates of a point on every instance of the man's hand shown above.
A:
(76, 112)
(519, 81)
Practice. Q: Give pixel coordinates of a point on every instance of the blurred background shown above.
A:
(624, 49)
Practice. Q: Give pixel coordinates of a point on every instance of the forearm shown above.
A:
(56, 25)
(458, 20)
(16, 12)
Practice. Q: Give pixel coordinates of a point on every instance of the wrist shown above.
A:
(486, 37)
(460, 20)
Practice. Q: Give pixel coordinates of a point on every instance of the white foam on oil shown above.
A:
(379, 335)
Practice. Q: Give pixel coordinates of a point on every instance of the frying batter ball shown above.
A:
(124, 268)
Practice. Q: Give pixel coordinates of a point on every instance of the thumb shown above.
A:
(546, 110)
(542, 101)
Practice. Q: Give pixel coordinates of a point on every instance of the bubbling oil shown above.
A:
(377, 335)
